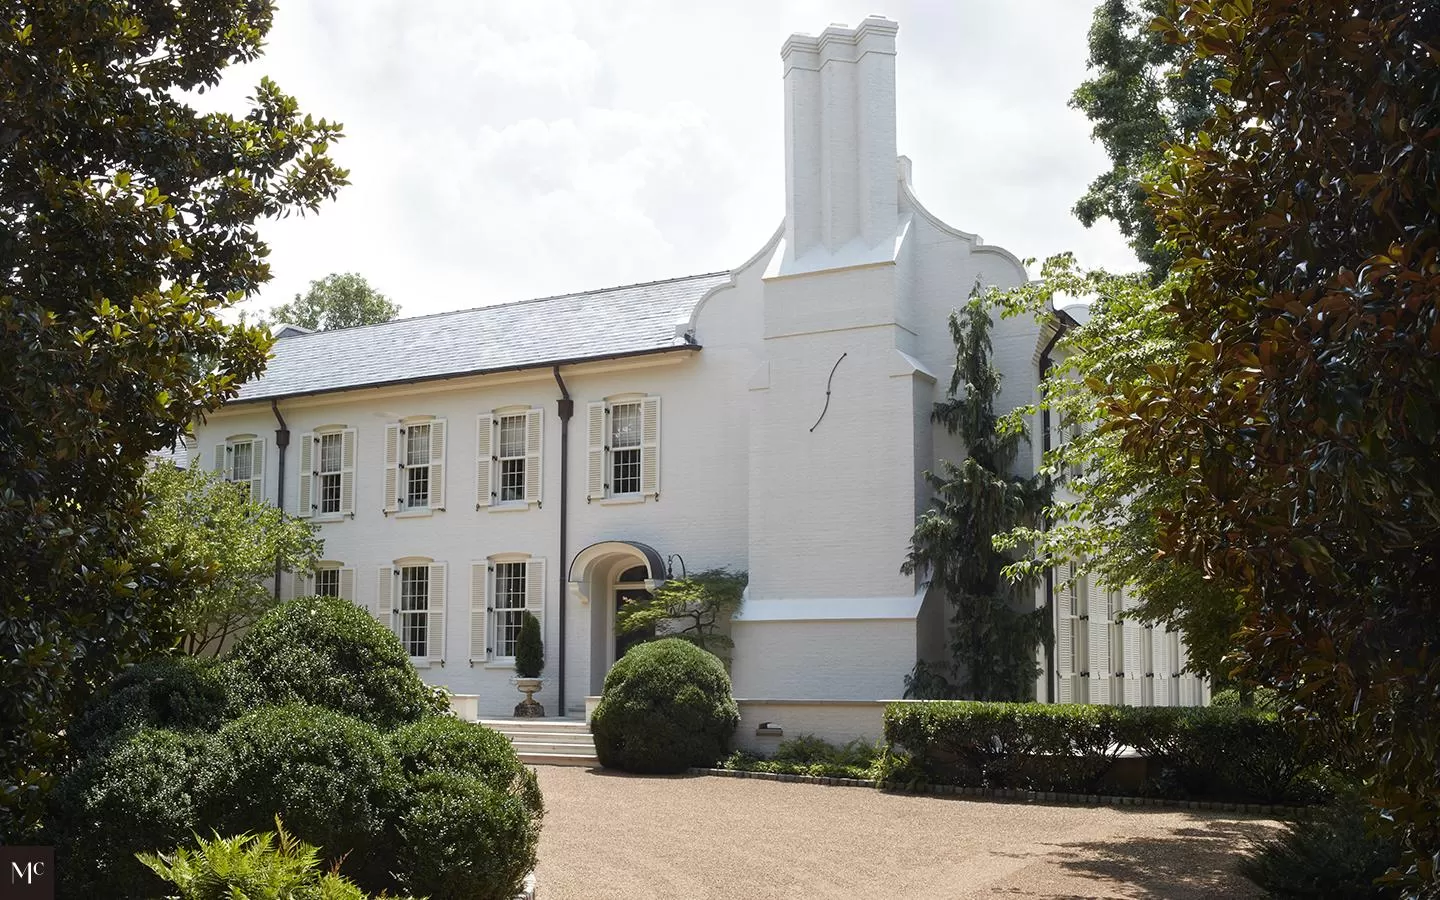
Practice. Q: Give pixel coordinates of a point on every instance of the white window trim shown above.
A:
(433, 610)
(493, 613)
(316, 476)
(649, 450)
(499, 505)
(396, 439)
(226, 451)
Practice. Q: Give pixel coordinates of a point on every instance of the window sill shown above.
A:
(623, 500)
(328, 518)
(420, 513)
(502, 663)
(420, 663)
(511, 506)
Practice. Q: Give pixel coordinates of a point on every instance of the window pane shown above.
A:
(625, 425)
(512, 436)
(417, 486)
(330, 493)
(242, 457)
(330, 453)
(414, 609)
(327, 582)
(625, 479)
(509, 606)
(417, 445)
(512, 479)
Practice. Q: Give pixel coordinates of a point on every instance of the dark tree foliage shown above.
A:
(1303, 419)
(127, 223)
(336, 301)
(992, 644)
(1139, 99)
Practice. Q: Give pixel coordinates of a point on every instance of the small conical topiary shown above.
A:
(529, 651)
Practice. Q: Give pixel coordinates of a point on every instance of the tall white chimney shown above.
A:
(840, 169)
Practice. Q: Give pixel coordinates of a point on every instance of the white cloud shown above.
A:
(504, 150)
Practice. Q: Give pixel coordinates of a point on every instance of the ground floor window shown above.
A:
(414, 610)
(509, 606)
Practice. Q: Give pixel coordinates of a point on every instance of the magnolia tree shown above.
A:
(232, 542)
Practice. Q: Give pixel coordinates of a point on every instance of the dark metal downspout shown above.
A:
(565, 407)
(282, 440)
(1045, 525)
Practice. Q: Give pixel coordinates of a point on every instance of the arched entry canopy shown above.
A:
(643, 554)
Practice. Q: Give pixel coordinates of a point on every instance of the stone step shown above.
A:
(524, 748)
(568, 738)
(578, 726)
(558, 759)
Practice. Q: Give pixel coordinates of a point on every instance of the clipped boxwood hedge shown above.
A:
(1222, 754)
(325, 651)
(666, 707)
(180, 693)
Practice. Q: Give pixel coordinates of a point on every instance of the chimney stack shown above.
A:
(840, 152)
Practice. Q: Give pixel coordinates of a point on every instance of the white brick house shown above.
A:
(555, 454)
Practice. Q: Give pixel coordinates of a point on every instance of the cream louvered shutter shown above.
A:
(595, 483)
(301, 585)
(1098, 630)
(384, 611)
(435, 614)
(257, 470)
(484, 460)
(1134, 680)
(348, 440)
(534, 457)
(650, 447)
(392, 468)
(1161, 664)
(437, 464)
(305, 504)
(479, 614)
(535, 588)
(220, 466)
(347, 583)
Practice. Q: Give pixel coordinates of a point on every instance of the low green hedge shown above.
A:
(1220, 754)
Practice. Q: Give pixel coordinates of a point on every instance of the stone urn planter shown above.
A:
(529, 662)
(529, 708)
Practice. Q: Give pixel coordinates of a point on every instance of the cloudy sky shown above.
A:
(506, 150)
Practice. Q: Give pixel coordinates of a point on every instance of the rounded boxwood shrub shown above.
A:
(666, 707)
(181, 693)
(465, 838)
(444, 744)
(140, 792)
(328, 652)
(331, 778)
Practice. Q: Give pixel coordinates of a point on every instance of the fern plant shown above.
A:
(267, 866)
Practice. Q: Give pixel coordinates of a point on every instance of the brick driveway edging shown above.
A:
(1277, 811)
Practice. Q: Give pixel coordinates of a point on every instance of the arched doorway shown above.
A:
(602, 576)
(629, 588)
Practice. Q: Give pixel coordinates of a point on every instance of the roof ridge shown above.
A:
(509, 303)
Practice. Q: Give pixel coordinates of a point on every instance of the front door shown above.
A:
(631, 587)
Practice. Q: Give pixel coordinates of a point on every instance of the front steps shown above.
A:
(548, 742)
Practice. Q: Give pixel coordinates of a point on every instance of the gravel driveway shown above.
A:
(682, 837)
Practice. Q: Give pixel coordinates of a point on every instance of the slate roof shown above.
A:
(621, 321)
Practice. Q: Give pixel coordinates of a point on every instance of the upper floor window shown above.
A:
(327, 473)
(508, 458)
(624, 448)
(415, 465)
(241, 459)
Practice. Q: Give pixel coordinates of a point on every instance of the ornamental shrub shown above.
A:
(466, 838)
(666, 707)
(139, 791)
(181, 693)
(331, 778)
(1331, 854)
(444, 744)
(529, 650)
(325, 651)
(1231, 754)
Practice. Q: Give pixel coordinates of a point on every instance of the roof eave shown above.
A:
(470, 373)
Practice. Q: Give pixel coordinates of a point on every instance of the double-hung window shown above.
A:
(327, 473)
(327, 582)
(329, 579)
(502, 590)
(415, 465)
(414, 610)
(624, 448)
(241, 460)
(507, 458)
(509, 607)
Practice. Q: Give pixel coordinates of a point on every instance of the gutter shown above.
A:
(471, 373)
(282, 440)
(565, 408)
(1045, 364)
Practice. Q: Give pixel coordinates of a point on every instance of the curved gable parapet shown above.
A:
(977, 243)
(688, 325)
